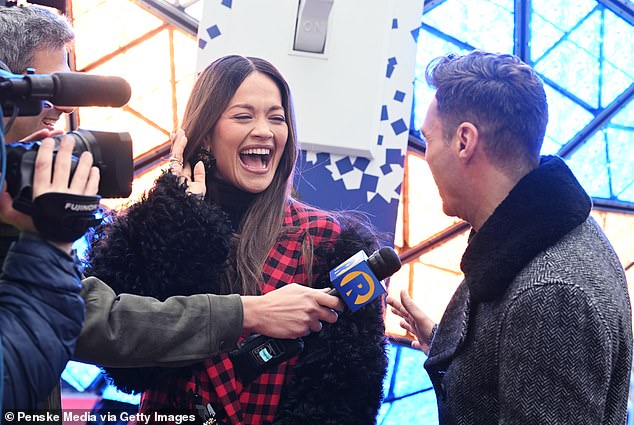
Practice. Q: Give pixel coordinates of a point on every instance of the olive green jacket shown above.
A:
(128, 330)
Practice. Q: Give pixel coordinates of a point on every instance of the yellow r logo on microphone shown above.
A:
(362, 279)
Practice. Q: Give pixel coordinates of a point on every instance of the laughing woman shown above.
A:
(233, 227)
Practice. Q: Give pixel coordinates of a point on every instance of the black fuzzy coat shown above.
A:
(174, 244)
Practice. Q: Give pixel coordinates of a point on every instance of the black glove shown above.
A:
(65, 217)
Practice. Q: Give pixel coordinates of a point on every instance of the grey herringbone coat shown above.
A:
(540, 330)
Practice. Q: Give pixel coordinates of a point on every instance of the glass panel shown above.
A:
(621, 164)
(424, 202)
(551, 20)
(144, 135)
(410, 374)
(140, 184)
(429, 47)
(414, 410)
(121, 20)
(619, 66)
(574, 64)
(610, 147)
(185, 51)
(433, 285)
(147, 68)
(399, 281)
(567, 118)
(487, 24)
(589, 164)
(619, 229)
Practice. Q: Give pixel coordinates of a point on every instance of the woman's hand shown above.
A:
(196, 184)
(414, 320)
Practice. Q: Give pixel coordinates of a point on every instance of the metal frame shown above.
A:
(599, 121)
(172, 14)
(622, 8)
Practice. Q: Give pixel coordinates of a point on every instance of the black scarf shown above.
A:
(544, 206)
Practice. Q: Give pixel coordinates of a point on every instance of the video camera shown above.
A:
(22, 95)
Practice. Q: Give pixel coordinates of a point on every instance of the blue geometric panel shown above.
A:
(618, 68)
(550, 20)
(410, 377)
(80, 375)
(621, 164)
(429, 47)
(467, 20)
(574, 62)
(604, 163)
(409, 396)
(418, 409)
(590, 166)
(567, 118)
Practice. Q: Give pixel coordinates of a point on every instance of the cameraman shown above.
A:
(180, 330)
(41, 311)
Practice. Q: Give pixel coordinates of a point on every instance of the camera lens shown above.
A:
(111, 151)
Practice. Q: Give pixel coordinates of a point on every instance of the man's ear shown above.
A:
(467, 139)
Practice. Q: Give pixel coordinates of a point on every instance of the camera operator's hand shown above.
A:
(49, 178)
(196, 185)
(41, 134)
(11, 216)
(85, 181)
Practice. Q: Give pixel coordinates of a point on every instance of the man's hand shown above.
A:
(290, 312)
(53, 178)
(10, 215)
(41, 134)
(414, 320)
(49, 178)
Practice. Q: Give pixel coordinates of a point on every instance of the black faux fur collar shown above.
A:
(544, 206)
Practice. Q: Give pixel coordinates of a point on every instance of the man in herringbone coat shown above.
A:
(539, 331)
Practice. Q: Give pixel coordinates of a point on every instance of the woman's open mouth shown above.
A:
(256, 159)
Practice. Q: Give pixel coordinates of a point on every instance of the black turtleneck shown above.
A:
(233, 201)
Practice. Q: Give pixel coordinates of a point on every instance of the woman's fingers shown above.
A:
(179, 141)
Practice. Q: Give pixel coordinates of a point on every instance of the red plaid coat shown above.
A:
(214, 381)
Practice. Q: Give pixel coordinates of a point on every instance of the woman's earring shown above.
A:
(207, 158)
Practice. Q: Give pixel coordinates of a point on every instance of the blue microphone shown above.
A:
(357, 281)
